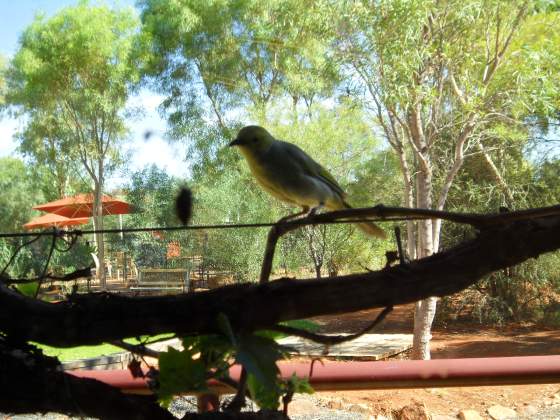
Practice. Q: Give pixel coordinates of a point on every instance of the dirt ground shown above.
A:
(456, 340)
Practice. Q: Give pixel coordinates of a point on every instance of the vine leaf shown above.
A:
(258, 355)
(179, 372)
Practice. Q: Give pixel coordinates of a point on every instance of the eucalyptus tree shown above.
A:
(71, 77)
(219, 63)
(441, 79)
(233, 55)
(43, 141)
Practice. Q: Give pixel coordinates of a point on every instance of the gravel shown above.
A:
(320, 411)
(316, 408)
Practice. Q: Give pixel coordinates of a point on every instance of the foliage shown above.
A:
(242, 52)
(209, 356)
(458, 90)
(71, 78)
(152, 194)
(227, 197)
(72, 75)
(19, 194)
(525, 292)
(42, 142)
(21, 190)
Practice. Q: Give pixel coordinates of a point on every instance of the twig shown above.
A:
(271, 241)
(14, 255)
(140, 349)
(366, 214)
(382, 213)
(265, 305)
(46, 267)
(74, 275)
(332, 339)
(402, 258)
(283, 226)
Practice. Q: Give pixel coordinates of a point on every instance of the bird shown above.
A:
(289, 174)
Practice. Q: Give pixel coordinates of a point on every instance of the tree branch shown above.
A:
(330, 340)
(32, 382)
(507, 239)
(496, 175)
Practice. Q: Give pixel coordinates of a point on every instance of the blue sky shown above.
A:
(15, 16)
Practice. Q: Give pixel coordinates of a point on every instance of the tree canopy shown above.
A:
(71, 77)
(437, 105)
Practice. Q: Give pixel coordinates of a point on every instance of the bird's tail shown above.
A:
(369, 228)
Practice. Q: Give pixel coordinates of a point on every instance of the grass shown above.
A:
(86, 352)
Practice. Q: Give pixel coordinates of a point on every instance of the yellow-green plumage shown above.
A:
(291, 175)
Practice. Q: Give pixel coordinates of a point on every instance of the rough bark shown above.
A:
(33, 383)
(101, 317)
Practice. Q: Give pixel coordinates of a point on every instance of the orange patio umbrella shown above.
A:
(51, 219)
(81, 205)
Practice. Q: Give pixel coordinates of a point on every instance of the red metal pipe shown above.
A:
(386, 374)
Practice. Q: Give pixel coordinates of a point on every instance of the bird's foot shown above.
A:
(314, 210)
(289, 217)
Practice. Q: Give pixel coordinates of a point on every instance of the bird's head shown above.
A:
(253, 138)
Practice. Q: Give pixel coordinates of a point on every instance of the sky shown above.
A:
(15, 16)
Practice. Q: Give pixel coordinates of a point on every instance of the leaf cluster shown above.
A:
(205, 357)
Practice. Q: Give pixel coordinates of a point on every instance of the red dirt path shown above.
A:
(456, 340)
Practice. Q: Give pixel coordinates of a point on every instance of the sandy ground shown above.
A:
(457, 340)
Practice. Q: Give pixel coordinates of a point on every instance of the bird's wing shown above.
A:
(310, 167)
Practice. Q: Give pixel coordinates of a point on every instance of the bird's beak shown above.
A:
(236, 142)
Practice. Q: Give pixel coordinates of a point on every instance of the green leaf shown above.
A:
(214, 349)
(266, 397)
(299, 385)
(259, 356)
(179, 372)
(303, 324)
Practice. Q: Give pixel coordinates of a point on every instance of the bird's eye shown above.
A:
(254, 140)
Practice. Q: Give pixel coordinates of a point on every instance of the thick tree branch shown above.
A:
(95, 318)
(495, 172)
(75, 275)
(31, 382)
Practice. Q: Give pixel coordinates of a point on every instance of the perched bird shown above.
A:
(291, 175)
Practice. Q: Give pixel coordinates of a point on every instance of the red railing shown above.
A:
(331, 375)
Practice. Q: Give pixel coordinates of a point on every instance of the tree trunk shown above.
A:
(424, 310)
(98, 225)
(315, 255)
(318, 271)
